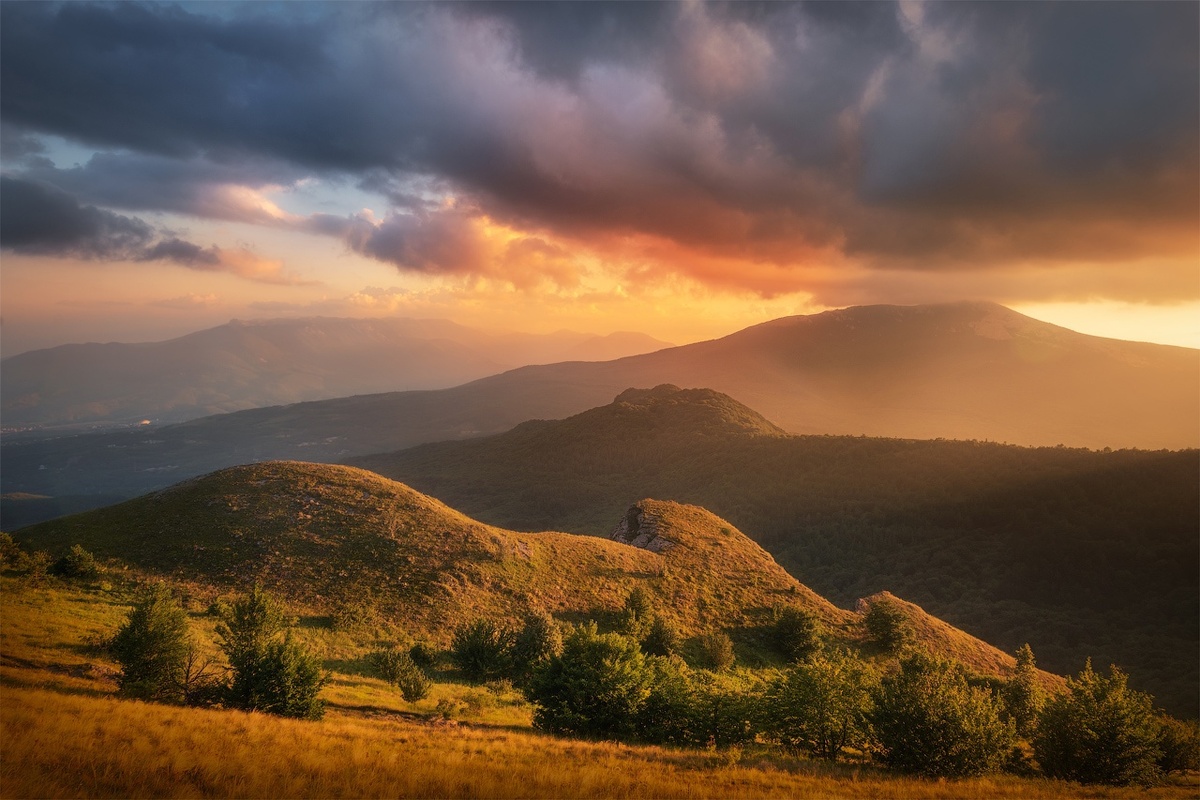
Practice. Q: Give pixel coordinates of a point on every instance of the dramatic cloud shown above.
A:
(834, 148)
(40, 219)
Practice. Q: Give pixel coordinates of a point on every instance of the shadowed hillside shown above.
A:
(324, 536)
(1079, 553)
(967, 370)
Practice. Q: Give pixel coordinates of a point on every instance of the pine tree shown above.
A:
(278, 676)
(153, 646)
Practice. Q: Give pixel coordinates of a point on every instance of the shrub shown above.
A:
(821, 705)
(796, 632)
(722, 716)
(153, 647)
(538, 641)
(668, 714)
(482, 650)
(717, 650)
(10, 551)
(1099, 731)
(662, 639)
(1023, 695)
(595, 687)
(268, 674)
(423, 655)
(887, 626)
(1178, 745)
(78, 563)
(398, 668)
(638, 614)
(930, 721)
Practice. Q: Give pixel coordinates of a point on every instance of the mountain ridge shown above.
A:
(256, 363)
(912, 372)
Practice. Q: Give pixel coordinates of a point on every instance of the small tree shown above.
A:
(153, 647)
(638, 614)
(821, 705)
(717, 649)
(1178, 744)
(482, 650)
(398, 668)
(596, 687)
(887, 626)
(268, 674)
(78, 563)
(538, 641)
(797, 632)
(1023, 695)
(930, 721)
(1099, 731)
(662, 639)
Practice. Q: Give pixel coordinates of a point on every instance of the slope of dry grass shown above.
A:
(64, 734)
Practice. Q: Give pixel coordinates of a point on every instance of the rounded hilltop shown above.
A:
(323, 535)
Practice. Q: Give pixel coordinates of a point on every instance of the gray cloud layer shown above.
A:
(946, 136)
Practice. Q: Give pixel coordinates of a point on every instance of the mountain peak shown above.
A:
(703, 410)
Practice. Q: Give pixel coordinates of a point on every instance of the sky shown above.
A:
(681, 169)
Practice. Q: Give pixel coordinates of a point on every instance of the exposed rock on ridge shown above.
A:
(639, 528)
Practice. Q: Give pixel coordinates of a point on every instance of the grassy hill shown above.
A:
(1080, 553)
(328, 537)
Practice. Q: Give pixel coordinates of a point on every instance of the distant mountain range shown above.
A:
(244, 365)
(1080, 553)
(965, 370)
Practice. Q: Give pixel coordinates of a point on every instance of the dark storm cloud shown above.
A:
(40, 219)
(37, 218)
(950, 135)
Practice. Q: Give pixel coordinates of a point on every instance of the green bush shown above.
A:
(1178, 745)
(538, 641)
(796, 632)
(595, 687)
(482, 650)
(1023, 695)
(930, 721)
(278, 676)
(398, 668)
(1099, 731)
(662, 639)
(78, 563)
(717, 651)
(638, 614)
(153, 647)
(821, 705)
(887, 626)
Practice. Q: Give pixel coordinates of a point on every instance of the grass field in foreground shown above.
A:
(64, 734)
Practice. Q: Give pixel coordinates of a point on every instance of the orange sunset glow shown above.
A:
(694, 167)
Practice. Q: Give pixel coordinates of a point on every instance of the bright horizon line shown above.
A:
(1176, 325)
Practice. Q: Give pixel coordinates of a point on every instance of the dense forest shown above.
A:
(1080, 553)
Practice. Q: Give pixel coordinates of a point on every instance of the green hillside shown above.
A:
(325, 537)
(1081, 553)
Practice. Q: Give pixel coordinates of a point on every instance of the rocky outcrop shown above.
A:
(639, 528)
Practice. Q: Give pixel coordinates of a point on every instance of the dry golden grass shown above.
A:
(64, 734)
(59, 745)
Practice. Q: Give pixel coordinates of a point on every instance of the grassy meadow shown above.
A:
(66, 734)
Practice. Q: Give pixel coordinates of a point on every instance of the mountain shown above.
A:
(1080, 553)
(326, 536)
(965, 370)
(244, 365)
